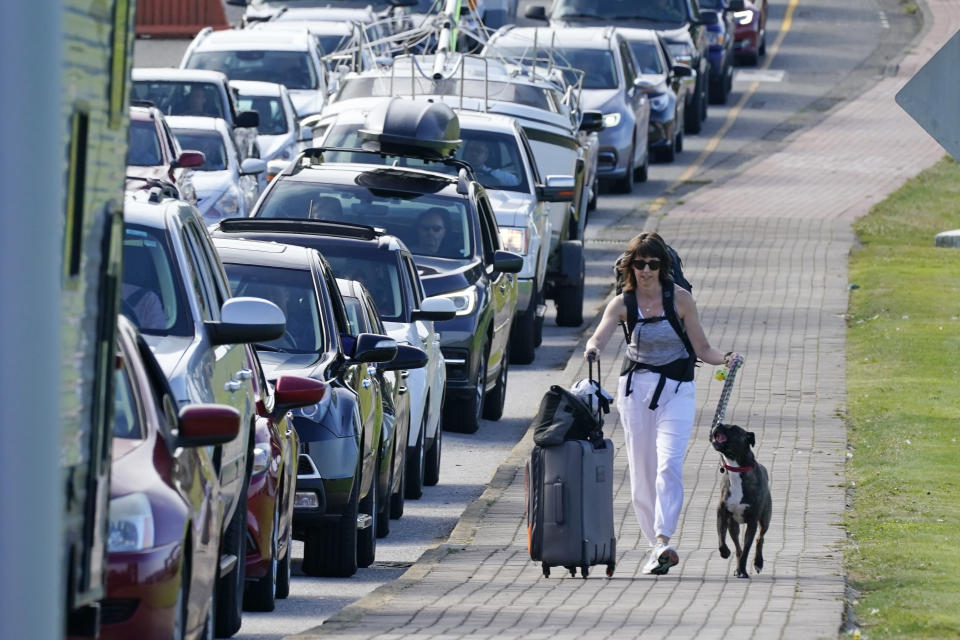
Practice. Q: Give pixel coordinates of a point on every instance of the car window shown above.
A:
(355, 319)
(629, 71)
(290, 289)
(220, 288)
(415, 280)
(429, 224)
(598, 66)
(672, 11)
(154, 298)
(488, 229)
(647, 56)
(273, 119)
(210, 143)
(127, 421)
(200, 277)
(292, 69)
(516, 92)
(143, 144)
(374, 320)
(379, 273)
(181, 98)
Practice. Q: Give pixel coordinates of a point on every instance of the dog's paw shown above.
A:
(724, 552)
(758, 565)
(741, 574)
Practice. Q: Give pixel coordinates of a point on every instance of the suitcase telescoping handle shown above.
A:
(591, 359)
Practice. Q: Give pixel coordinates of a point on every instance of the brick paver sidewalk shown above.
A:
(768, 255)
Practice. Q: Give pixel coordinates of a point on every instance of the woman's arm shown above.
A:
(615, 313)
(687, 312)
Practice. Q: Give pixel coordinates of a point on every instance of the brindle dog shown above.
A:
(745, 495)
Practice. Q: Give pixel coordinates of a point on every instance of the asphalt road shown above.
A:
(831, 52)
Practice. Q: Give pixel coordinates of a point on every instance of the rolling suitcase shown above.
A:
(570, 504)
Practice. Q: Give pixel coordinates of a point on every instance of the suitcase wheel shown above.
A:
(610, 568)
(573, 571)
(546, 571)
(584, 572)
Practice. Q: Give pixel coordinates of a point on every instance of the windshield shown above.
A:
(647, 56)
(671, 11)
(292, 69)
(598, 66)
(431, 225)
(279, 4)
(143, 148)
(401, 86)
(495, 157)
(126, 418)
(208, 142)
(153, 296)
(290, 289)
(379, 273)
(273, 119)
(175, 98)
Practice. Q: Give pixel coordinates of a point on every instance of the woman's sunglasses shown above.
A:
(640, 264)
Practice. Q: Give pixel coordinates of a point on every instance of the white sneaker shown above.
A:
(661, 558)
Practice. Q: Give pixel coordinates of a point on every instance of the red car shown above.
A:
(272, 489)
(750, 30)
(153, 154)
(163, 544)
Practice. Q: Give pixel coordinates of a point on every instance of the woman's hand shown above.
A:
(591, 353)
(730, 356)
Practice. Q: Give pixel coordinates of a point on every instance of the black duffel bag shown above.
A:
(563, 416)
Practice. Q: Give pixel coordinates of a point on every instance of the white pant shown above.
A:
(656, 443)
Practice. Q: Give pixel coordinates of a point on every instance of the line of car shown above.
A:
(316, 285)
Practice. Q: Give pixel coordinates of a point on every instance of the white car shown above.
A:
(280, 135)
(288, 57)
(226, 187)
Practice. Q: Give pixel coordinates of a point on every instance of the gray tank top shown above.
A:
(654, 342)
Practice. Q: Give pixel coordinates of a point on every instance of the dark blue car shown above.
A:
(720, 36)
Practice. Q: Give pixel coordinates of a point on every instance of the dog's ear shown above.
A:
(750, 439)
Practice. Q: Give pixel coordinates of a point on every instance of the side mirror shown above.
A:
(507, 262)
(645, 85)
(189, 159)
(403, 3)
(293, 392)
(247, 320)
(536, 12)
(408, 357)
(253, 166)
(592, 121)
(437, 308)
(709, 18)
(238, 3)
(248, 119)
(736, 5)
(682, 71)
(374, 348)
(305, 134)
(207, 425)
(557, 189)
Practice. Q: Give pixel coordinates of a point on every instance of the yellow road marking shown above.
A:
(714, 142)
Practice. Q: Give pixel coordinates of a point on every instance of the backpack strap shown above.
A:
(670, 311)
(633, 314)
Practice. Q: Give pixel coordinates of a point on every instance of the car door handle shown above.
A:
(366, 383)
(404, 374)
(402, 390)
(232, 386)
(289, 431)
(371, 370)
(503, 288)
(244, 374)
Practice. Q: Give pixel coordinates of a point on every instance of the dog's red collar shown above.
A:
(735, 469)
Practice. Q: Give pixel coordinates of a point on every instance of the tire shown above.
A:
(284, 571)
(464, 415)
(413, 478)
(669, 154)
(640, 173)
(367, 538)
(431, 474)
(383, 518)
(331, 550)
(230, 588)
(592, 202)
(625, 184)
(762, 49)
(720, 90)
(397, 499)
(497, 397)
(569, 297)
(523, 337)
(692, 115)
(181, 607)
(261, 595)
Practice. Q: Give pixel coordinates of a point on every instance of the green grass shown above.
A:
(903, 394)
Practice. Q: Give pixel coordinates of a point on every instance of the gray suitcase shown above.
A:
(570, 506)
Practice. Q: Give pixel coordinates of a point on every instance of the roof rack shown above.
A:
(157, 189)
(301, 226)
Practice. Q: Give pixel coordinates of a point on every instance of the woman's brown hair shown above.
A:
(646, 245)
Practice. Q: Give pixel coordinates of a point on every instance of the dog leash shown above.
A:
(728, 379)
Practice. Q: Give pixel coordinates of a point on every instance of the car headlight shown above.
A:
(261, 458)
(659, 102)
(514, 239)
(743, 17)
(610, 120)
(228, 204)
(464, 301)
(131, 523)
(311, 412)
(717, 37)
(682, 52)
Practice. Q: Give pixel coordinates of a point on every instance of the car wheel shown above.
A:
(383, 518)
(640, 173)
(497, 397)
(261, 595)
(625, 184)
(464, 416)
(595, 189)
(331, 550)
(523, 336)
(397, 499)
(692, 121)
(569, 297)
(284, 571)
(669, 153)
(719, 90)
(366, 537)
(415, 461)
(231, 586)
(432, 474)
(679, 144)
(180, 610)
(762, 49)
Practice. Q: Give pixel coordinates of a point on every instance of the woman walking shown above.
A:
(656, 395)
